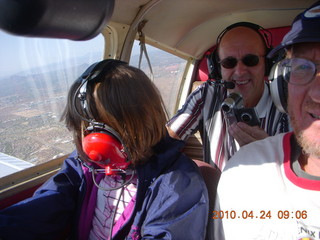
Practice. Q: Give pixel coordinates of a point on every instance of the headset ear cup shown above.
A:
(285, 95)
(105, 150)
(278, 88)
(214, 66)
(268, 63)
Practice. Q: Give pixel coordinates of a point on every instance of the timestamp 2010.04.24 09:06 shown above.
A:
(262, 214)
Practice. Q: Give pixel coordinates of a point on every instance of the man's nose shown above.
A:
(240, 68)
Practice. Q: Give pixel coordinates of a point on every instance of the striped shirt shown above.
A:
(202, 112)
(110, 203)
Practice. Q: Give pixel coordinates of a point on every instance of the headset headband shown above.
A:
(92, 74)
(264, 33)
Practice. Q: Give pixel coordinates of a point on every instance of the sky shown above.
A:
(22, 53)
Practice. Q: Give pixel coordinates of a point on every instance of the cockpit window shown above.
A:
(35, 75)
(167, 72)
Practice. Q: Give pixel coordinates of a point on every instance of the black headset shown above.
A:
(278, 86)
(213, 59)
(101, 143)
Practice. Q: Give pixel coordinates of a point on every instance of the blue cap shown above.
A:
(305, 28)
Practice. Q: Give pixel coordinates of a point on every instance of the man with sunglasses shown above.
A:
(270, 189)
(239, 59)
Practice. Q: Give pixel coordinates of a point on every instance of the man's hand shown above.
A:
(245, 134)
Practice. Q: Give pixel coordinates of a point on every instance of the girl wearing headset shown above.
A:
(127, 178)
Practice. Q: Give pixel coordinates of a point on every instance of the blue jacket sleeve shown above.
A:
(177, 205)
(47, 214)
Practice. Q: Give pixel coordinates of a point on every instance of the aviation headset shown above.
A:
(101, 143)
(213, 58)
(278, 86)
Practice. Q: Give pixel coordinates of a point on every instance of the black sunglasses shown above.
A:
(250, 60)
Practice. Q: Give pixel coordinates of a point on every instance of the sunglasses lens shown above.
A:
(250, 60)
(229, 62)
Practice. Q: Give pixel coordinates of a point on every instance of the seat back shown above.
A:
(211, 176)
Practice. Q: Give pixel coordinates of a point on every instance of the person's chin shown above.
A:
(309, 142)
